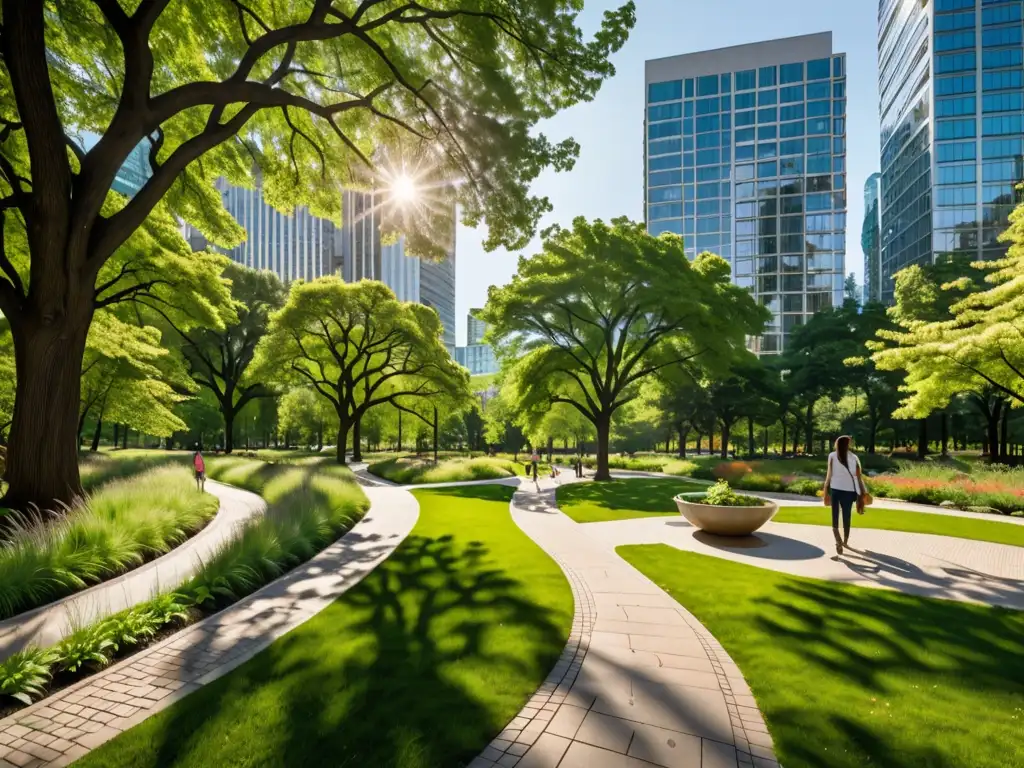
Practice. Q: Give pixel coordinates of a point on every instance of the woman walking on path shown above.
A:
(844, 487)
(200, 467)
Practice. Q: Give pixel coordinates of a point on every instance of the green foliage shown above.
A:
(360, 347)
(409, 471)
(721, 495)
(218, 359)
(116, 529)
(308, 508)
(25, 674)
(956, 334)
(91, 646)
(605, 305)
(993, 488)
(304, 415)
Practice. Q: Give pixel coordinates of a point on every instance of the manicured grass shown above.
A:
(850, 676)
(912, 522)
(120, 526)
(414, 471)
(418, 666)
(622, 499)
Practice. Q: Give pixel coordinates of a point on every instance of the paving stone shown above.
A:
(566, 721)
(605, 731)
(666, 748)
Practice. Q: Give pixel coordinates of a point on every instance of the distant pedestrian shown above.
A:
(200, 469)
(534, 461)
(844, 487)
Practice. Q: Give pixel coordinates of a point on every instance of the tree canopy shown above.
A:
(604, 305)
(308, 96)
(359, 347)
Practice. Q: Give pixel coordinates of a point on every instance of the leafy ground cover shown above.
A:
(622, 499)
(122, 525)
(410, 470)
(418, 666)
(913, 522)
(852, 676)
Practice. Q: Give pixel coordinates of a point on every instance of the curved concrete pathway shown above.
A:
(62, 728)
(48, 624)
(640, 683)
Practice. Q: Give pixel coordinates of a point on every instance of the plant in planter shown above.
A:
(722, 511)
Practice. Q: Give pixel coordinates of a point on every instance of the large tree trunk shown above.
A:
(435, 434)
(229, 427)
(796, 435)
(342, 443)
(784, 435)
(872, 431)
(117, 434)
(750, 437)
(399, 431)
(551, 449)
(1003, 434)
(809, 427)
(700, 440)
(922, 438)
(683, 434)
(98, 433)
(603, 436)
(124, 437)
(724, 453)
(945, 434)
(42, 452)
(357, 439)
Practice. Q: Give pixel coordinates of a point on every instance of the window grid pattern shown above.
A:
(755, 171)
(949, 172)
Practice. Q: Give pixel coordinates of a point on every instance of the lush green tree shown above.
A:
(308, 93)
(683, 401)
(218, 358)
(956, 338)
(734, 396)
(605, 305)
(203, 423)
(502, 424)
(306, 416)
(6, 380)
(359, 347)
(879, 389)
(129, 378)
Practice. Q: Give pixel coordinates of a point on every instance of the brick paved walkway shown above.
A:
(915, 563)
(46, 626)
(63, 727)
(640, 683)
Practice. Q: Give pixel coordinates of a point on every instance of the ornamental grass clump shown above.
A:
(122, 525)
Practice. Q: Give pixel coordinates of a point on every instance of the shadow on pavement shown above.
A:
(769, 546)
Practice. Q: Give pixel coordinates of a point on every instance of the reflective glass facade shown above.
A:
(952, 103)
(870, 239)
(745, 156)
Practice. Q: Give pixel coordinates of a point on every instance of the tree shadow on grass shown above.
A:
(418, 666)
(943, 661)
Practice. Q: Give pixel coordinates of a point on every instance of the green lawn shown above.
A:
(913, 522)
(622, 499)
(849, 676)
(418, 666)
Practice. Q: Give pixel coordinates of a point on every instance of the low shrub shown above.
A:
(992, 487)
(721, 495)
(121, 526)
(681, 468)
(413, 471)
(731, 471)
(24, 675)
(757, 481)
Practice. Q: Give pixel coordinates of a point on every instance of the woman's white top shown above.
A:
(841, 479)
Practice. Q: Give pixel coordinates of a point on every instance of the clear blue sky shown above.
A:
(608, 178)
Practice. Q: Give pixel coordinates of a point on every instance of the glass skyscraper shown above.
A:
(870, 239)
(951, 92)
(745, 156)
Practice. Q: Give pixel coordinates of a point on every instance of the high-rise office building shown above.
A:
(477, 356)
(360, 254)
(951, 98)
(745, 156)
(296, 246)
(870, 239)
(475, 327)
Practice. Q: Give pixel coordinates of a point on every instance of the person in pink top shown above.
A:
(200, 467)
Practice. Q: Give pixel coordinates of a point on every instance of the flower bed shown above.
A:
(984, 489)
